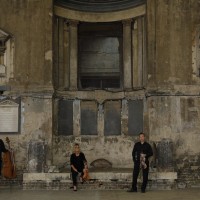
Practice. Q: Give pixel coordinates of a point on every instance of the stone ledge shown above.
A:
(114, 179)
(46, 176)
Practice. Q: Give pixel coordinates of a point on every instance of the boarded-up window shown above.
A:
(100, 55)
(65, 117)
(112, 118)
(88, 118)
(135, 116)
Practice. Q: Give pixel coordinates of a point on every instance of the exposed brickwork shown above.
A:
(17, 182)
(188, 171)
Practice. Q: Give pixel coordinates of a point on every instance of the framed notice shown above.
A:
(9, 117)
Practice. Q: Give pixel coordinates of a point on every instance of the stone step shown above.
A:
(101, 176)
(99, 180)
(10, 183)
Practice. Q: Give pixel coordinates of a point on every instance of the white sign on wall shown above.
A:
(9, 117)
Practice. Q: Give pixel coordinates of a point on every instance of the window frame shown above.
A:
(101, 76)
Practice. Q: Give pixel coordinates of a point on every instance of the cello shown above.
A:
(9, 169)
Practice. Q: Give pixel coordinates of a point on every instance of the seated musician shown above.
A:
(78, 164)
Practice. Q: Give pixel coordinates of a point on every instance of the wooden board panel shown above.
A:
(112, 116)
(135, 116)
(88, 118)
(65, 117)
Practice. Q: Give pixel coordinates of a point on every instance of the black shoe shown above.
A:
(143, 191)
(132, 190)
(75, 188)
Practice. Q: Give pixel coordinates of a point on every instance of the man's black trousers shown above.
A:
(136, 171)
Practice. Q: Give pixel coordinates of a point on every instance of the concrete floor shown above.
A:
(17, 194)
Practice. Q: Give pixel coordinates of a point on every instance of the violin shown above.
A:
(86, 174)
(8, 158)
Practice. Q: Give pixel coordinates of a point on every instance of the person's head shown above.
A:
(142, 137)
(2, 146)
(76, 148)
(1, 143)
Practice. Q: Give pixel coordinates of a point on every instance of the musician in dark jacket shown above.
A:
(78, 163)
(2, 149)
(141, 153)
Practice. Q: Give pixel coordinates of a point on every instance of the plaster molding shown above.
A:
(99, 17)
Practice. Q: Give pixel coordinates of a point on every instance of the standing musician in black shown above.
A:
(2, 150)
(141, 152)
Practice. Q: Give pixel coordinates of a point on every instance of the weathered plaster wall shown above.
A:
(115, 149)
(170, 26)
(177, 118)
(36, 125)
(30, 23)
(173, 86)
(37, 121)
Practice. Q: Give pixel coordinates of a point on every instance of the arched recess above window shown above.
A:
(104, 51)
(99, 5)
(84, 16)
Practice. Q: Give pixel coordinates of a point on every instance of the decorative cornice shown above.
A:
(98, 16)
(8, 103)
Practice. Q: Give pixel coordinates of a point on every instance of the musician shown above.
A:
(78, 163)
(2, 150)
(141, 152)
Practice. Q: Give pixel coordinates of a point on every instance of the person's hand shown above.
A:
(79, 173)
